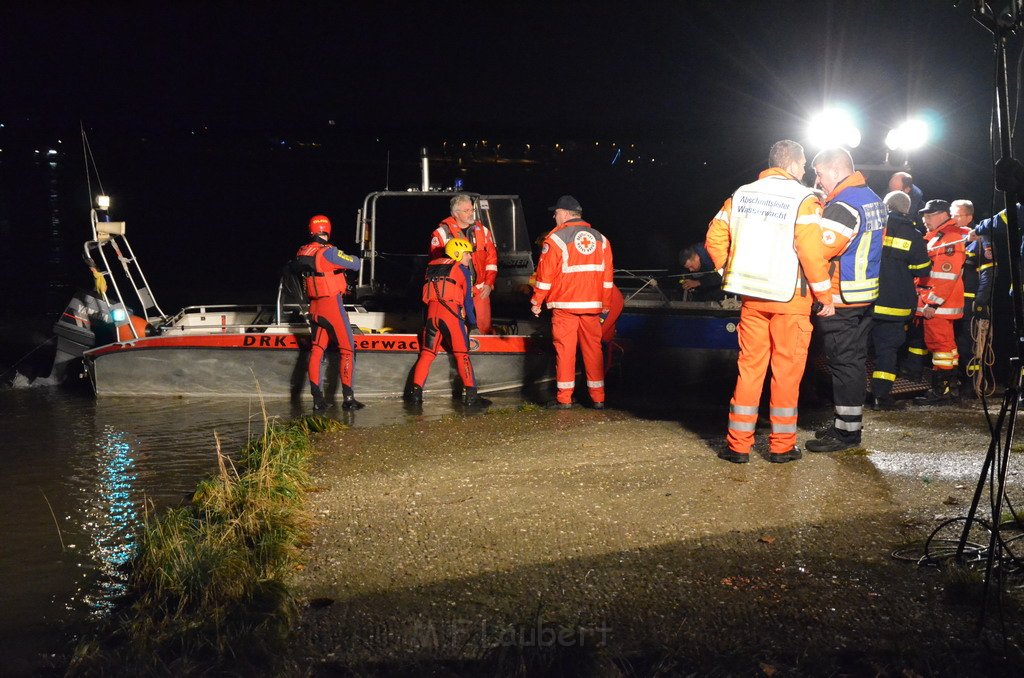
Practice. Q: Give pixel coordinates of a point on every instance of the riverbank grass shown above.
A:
(208, 586)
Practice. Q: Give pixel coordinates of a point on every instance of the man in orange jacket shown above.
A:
(852, 232)
(767, 239)
(941, 300)
(574, 279)
(463, 224)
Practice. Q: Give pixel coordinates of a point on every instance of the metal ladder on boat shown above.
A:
(111, 235)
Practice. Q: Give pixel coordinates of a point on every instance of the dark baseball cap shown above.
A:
(567, 202)
(933, 206)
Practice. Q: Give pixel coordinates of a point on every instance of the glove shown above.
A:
(981, 311)
(101, 282)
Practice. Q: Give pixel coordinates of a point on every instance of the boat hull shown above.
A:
(275, 364)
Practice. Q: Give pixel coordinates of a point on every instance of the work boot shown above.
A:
(470, 398)
(782, 457)
(833, 441)
(734, 457)
(598, 406)
(349, 401)
(319, 402)
(414, 394)
(885, 403)
(555, 405)
(942, 391)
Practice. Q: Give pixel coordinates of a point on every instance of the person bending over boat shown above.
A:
(574, 279)
(484, 267)
(448, 294)
(703, 283)
(323, 266)
(767, 239)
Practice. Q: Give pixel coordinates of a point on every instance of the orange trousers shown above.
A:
(940, 338)
(781, 340)
(567, 331)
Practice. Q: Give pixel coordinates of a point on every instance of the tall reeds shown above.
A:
(208, 586)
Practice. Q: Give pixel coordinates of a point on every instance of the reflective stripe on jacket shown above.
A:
(852, 228)
(762, 261)
(904, 257)
(802, 237)
(575, 269)
(943, 286)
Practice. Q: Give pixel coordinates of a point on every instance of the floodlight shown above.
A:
(833, 127)
(103, 202)
(910, 135)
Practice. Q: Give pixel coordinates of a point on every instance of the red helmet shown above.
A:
(320, 225)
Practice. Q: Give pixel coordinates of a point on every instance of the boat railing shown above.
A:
(236, 319)
(646, 278)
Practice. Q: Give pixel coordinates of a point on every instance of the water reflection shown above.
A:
(111, 517)
(101, 463)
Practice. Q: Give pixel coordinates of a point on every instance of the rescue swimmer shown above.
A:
(323, 267)
(448, 295)
(463, 224)
(767, 238)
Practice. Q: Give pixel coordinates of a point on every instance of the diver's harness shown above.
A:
(439, 293)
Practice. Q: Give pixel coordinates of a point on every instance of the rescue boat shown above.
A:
(118, 336)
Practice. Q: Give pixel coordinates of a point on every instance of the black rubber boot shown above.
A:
(885, 402)
(413, 395)
(349, 401)
(470, 398)
(942, 391)
(319, 402)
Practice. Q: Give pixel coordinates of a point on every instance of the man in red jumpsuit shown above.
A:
(941, 300)
(463, 224)
(449, 299)
(574, 279)
(323, 267)
(767, 238)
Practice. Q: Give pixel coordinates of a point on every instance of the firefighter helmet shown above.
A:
(320, 225)
(455, 248)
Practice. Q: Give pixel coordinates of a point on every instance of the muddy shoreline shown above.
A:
(619, 544)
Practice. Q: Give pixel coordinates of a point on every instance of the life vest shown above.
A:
(763, 262)
(485, 253)
(322, 278)
(445, 283)
(861, 261)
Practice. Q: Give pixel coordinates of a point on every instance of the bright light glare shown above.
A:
(908, 136)
(103, 202)
(833, 127)
(118, 315)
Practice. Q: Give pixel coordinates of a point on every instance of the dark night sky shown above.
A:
(660, 67)
(711, 84)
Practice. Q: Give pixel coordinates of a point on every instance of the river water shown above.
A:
(80, 472)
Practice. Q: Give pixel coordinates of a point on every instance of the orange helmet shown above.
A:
(320, 225)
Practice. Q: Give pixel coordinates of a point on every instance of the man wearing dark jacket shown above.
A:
(904, 256)
(703, 282)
